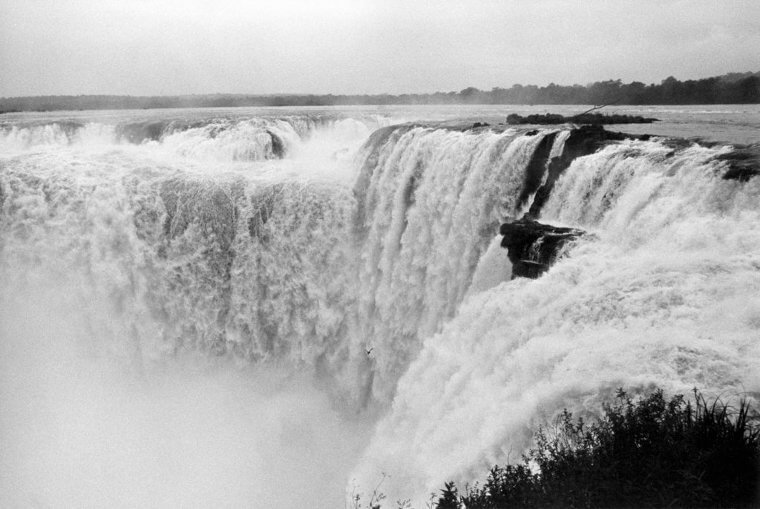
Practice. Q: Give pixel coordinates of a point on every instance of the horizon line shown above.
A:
(370, 94)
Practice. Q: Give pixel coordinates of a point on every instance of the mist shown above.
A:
(83, 429)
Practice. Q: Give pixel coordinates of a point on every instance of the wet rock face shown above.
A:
(278, 146)
(537, 167)
(743, 163)
(581, 142)
(534, 246)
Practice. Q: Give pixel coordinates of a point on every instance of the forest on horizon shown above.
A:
(732, 88)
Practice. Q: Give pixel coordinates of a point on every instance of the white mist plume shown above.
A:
(83, 430)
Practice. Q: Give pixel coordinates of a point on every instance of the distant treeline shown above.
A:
(734, 88)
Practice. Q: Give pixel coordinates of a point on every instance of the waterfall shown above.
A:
(370, 265)
(166, 319)
(220, 139)
(316, 273)
(666, 293)
(429, 203)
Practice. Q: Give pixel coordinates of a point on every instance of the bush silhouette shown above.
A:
(645, 453)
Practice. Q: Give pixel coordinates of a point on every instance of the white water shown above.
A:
(108, 306)
(186, 321)
(80, 431)
(669, 294)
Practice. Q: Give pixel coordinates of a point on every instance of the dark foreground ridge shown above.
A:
(583, 118)
(648, 452)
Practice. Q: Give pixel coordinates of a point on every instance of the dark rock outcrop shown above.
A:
(743, 163)
(583, 118)
(278, 146)
(533, 246)
(581, 142)
(534, 172)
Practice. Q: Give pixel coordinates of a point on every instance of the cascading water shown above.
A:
(378, 280)
(219, 139)
(667, 293)
(429, 202)
(118, 263)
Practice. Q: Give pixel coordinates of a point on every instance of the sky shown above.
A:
(166, 47)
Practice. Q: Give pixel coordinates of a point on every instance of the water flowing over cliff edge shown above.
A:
(364, 260)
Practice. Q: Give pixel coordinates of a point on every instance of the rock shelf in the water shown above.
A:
(743, 163)
(584, 118)
(533, 246)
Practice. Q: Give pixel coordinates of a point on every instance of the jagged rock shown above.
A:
(743, 163)
(584, 118)
(582, 141)
(534, 172)
(278, 146)
(533, 246)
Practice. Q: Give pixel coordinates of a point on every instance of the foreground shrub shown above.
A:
(644, 453)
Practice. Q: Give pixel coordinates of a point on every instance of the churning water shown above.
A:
(262, 307)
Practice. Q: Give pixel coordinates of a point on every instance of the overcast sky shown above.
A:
(147, 47)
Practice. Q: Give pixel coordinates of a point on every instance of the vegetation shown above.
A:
(644, 453)
(732, 88)
(583, 118)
